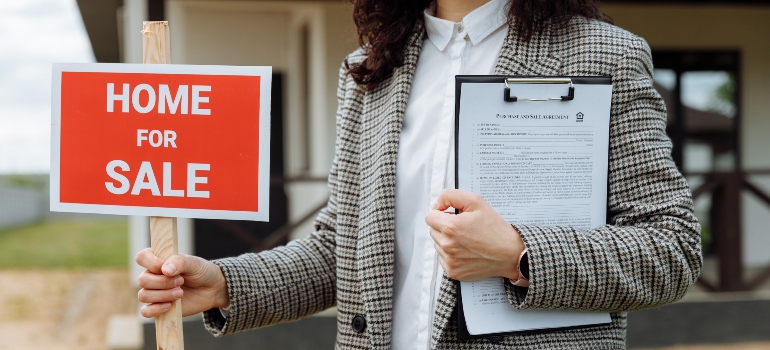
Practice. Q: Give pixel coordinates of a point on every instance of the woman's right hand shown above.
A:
(198, 282)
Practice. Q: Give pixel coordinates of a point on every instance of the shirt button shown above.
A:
(460, 28)
(358, 323)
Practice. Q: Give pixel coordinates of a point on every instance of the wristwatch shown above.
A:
(524, 265)
(523, 280)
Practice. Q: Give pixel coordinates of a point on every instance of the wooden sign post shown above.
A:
(156, 49)
(164, 141)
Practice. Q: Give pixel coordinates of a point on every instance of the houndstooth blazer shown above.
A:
(648, 255)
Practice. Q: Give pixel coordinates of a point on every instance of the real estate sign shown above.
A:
(161, 140)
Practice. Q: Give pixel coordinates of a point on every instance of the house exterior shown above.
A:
(730, 26)
(724, 152)
(305, 42)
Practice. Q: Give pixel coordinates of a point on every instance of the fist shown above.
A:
(475, 244)
(198, 282)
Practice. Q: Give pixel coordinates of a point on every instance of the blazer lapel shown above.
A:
(527, 58)
(516, 58)
(383, 115)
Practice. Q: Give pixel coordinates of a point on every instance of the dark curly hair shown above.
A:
(384, 26)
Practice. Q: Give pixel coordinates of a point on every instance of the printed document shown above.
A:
(538, 163)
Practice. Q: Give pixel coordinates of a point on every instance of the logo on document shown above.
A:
(579, 117)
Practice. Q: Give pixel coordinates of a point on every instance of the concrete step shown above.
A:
(704, 322)
(124, 332)
(683, 323)
(309, 333)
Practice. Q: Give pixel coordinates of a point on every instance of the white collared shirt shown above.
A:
(426, 158)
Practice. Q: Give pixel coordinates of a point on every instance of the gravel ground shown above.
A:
(69, 309)
(61, 309)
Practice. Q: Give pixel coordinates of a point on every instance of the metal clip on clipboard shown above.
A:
(508, 98)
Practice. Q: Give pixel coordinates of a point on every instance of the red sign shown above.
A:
(161, 140)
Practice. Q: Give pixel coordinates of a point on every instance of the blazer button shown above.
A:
(495, 340)
(358, 323)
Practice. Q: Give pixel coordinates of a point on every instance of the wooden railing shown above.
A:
(280, 235)
(726, 189)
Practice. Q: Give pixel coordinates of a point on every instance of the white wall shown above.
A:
(744, 28)
(268, 33)
(131, 16)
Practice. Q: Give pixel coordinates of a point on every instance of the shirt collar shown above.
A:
(479, 24)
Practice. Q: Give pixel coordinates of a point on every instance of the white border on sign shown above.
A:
(264, 139)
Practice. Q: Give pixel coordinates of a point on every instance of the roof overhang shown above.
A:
(100, 17)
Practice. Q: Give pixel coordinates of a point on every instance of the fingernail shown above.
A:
(178, 281)
(177, 293)
(169, 269)
(166, 306)
(434, 205)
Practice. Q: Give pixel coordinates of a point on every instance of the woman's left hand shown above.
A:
(475, 244)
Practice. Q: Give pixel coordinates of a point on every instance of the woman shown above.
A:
(383, 250)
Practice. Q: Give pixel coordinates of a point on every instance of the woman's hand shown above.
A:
(475, 244)
(198, 282)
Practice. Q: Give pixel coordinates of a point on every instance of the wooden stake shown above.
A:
(156, 41)
(168, 326)
(163, 234)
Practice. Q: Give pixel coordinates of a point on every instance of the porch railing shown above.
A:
(725, 188)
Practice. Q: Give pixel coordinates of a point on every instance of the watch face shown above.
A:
(524, 265)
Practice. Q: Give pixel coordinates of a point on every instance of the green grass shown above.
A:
(65, 244)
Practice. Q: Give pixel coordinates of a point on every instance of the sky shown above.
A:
(35, 34)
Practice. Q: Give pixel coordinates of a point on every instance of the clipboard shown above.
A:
(510, 96)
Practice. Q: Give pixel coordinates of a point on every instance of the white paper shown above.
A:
(536, 163)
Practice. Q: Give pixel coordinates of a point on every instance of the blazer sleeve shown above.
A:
(650, 252)
(285, 283)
